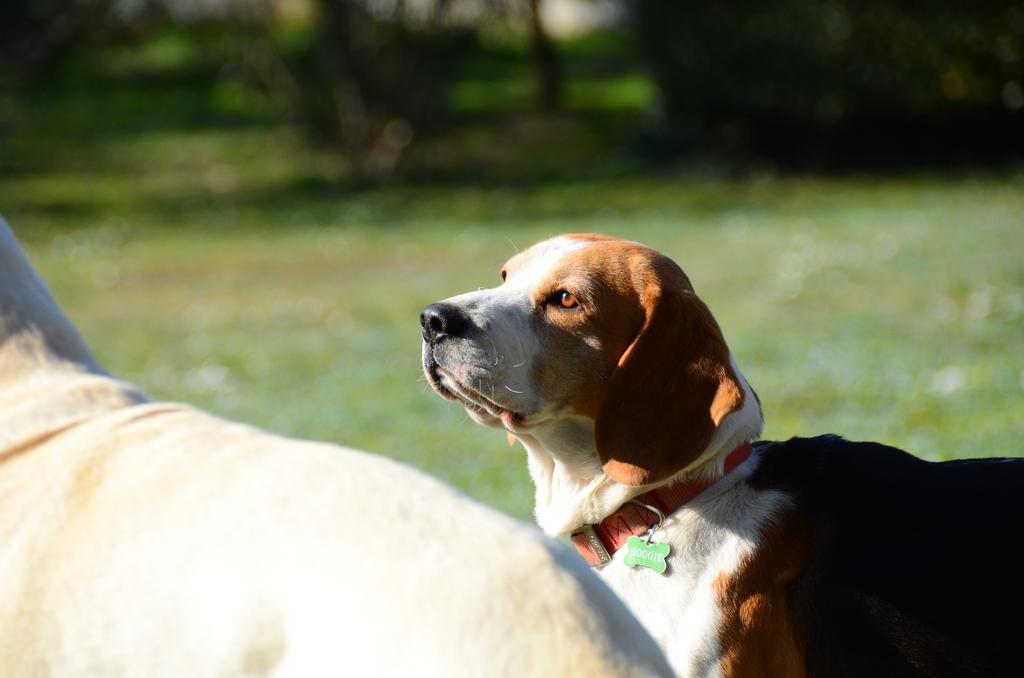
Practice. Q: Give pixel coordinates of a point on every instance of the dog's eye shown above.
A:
(566, 299)
(504, 274)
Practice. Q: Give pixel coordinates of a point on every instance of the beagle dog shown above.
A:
(150, 539)
(816, 557)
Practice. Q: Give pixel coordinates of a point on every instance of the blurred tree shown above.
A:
(774, 72)
(373, 81)
(366, 75)
(339, 22)
(547, 69)
(386, 70)
(33, 31)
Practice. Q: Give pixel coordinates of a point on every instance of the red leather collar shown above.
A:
(597, 543)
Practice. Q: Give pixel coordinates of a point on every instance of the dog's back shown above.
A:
(158, 540)
(912, 566)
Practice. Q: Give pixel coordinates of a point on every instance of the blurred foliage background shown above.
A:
(245, 203)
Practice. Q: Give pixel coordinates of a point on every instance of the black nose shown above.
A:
(442, 320)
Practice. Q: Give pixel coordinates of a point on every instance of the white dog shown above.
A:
(151, 539)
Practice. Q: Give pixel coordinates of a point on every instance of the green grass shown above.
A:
(884, 310)
(222, 262)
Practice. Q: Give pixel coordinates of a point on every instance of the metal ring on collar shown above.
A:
(656, 511)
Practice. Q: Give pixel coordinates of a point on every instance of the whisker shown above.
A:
(507, 387)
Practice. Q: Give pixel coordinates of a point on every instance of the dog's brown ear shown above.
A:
(671, 389)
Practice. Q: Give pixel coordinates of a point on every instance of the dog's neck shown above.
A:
(49, 379)
(571, 488)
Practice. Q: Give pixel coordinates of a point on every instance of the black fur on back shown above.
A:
(916, 567)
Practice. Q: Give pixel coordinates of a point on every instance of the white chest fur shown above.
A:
(710, 536)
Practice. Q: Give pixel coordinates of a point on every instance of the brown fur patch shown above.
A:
(672, 388)
(760, 634)
(582, 346)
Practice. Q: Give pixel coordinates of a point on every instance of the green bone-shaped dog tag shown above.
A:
(639, 552)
